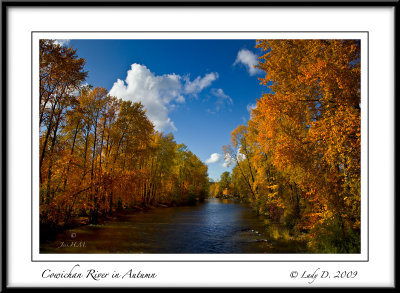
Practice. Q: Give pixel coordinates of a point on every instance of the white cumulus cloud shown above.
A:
(62, 42)
(248, 59)
(158, 93)
(250, 107)
(223, 100)
(240, 156)
(214, 158)
(219, 93)
(197, 85)
(228, 161)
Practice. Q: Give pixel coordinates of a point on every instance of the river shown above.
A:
(215, 226)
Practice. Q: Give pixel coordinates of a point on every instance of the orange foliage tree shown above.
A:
(306, 139)
(99, 154)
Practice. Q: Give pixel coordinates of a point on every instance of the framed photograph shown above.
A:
(198, 145)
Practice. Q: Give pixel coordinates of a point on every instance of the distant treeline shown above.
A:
(98, 153)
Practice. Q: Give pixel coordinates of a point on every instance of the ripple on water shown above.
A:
(212, 227)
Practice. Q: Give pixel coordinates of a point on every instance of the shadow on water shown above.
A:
(215, 226)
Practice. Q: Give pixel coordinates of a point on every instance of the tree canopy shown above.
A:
(298, 157)
(99, 154)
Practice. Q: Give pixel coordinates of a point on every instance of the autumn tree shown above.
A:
(61, 74)
(99, 154)
(225, 184)
(239, 152)
(309, 124)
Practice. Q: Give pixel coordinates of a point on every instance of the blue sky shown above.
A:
(200, 90)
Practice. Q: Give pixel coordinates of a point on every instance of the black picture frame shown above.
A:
(5, 164)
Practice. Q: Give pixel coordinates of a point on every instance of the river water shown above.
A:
(216, 226)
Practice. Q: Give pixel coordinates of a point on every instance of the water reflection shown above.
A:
(216, 226)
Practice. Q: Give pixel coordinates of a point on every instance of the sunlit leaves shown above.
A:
(100, 154)
(305, 135)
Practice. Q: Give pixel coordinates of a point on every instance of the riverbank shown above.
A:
(275, 231)
(215, 226)
(50, 232)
